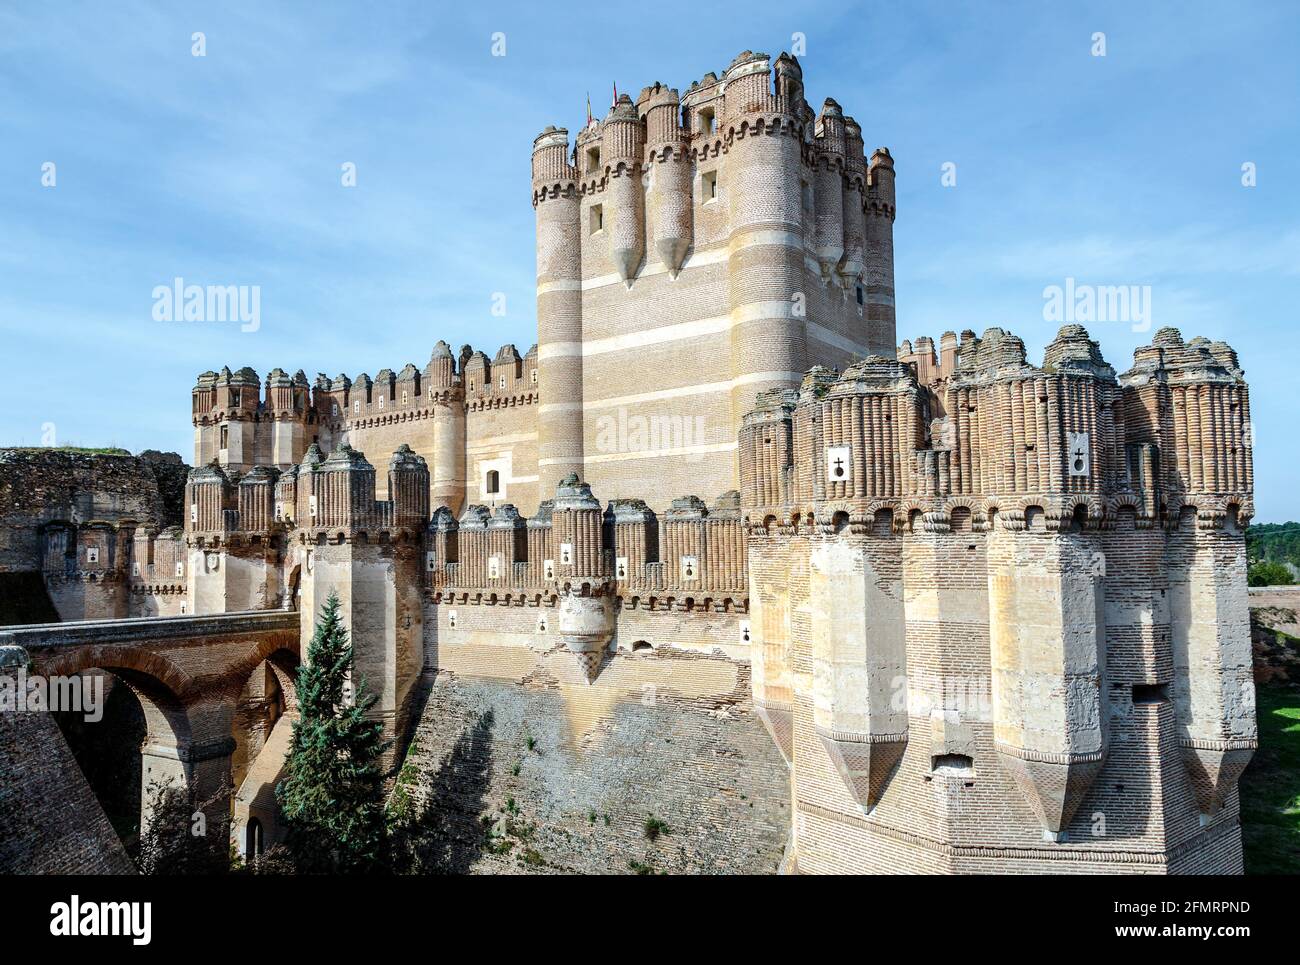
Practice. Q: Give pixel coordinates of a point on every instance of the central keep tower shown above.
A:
(694, 250)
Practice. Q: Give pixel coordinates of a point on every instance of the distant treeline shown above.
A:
(1274, 553)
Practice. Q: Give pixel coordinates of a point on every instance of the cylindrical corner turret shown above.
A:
(408, 488)
(855, 227)
(446, 393)
(345, 492)
(828, 230)
(879, 273)
(256, 500)
(766, 246)
(669, 193)
(586, 618)
(208, 494)
(1194, 458)
(559, 309)
(622, 138)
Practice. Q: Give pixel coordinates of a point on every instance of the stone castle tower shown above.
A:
(692, 251)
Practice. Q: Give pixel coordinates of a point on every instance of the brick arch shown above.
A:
(1068, 504)
(265, 648)
(172, 679)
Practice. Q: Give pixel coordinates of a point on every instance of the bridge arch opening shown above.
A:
(121, 746)
(262, 729)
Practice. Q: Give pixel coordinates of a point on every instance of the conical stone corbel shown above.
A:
(1052, 784)
(1214, 767)
(865, 762)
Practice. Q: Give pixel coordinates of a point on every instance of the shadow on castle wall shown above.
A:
(447, 835)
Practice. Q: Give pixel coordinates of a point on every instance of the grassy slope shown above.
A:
(1270, 787)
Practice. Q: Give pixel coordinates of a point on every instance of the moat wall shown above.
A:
(532, 769)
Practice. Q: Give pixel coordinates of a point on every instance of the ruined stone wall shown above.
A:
(533, 769)
(73, 516)
(40, 486)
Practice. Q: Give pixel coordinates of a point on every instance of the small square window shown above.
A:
(709, 186)
(597, 218)
(708, 120)
(593, 160)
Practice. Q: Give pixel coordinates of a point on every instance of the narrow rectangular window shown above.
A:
(597, 218)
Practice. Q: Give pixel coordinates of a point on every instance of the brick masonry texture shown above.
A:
(50, 822)
(729, 554)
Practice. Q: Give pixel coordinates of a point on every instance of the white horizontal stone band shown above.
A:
(658, 453)
(703, 388)
(769, 237)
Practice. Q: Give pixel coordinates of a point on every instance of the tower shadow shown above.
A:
(447, 835)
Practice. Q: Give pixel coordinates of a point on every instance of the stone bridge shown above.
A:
(188, 673)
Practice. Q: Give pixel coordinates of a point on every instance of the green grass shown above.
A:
(85, 450)
(1270, 787)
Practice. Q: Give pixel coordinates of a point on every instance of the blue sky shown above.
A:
(225, 169)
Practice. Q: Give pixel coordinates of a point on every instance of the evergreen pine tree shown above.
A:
(332, 797)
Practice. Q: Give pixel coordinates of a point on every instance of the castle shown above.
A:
(991, 615)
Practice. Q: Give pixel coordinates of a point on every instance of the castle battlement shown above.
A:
(1065, 543)
(689, 559)
(965, 584)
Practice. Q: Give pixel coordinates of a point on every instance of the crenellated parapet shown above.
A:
(689, 558)
(332, 498)
(230, 507)
(965, 512)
